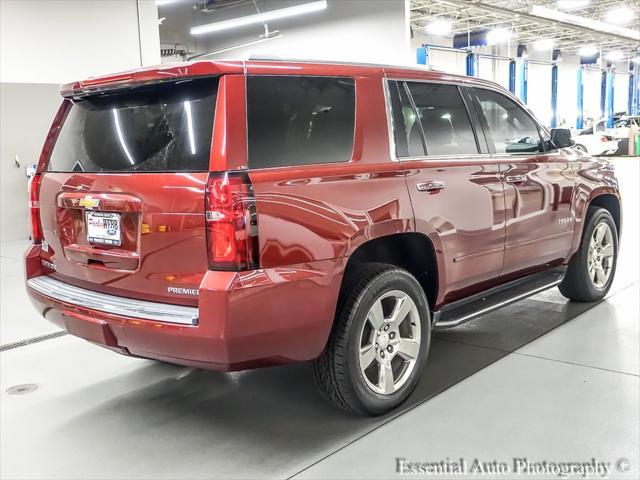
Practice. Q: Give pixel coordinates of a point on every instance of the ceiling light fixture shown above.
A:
(572, 4)
(588, 51)
(543, 45)
(620, 16)
(498, 35)
(260, 17)
(438, 27)
(160, 3)
(578, 21)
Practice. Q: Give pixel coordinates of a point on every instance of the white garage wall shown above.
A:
(56, 41)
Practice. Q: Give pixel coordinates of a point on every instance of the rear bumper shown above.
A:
(244, 319)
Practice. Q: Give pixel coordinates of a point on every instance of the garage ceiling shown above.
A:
(468, 15)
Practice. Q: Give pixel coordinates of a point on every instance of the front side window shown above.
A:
(299, 120)
(512, 129)
(149, 128)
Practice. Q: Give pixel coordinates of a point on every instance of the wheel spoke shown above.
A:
(385, 378)
(607, 251)
(598, 235)
(367, 356)
(408, 348)
(376, 315)
(401, 309)
(601, 277)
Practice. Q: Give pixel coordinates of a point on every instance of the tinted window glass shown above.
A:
(157, 128)
(406, 130)
(444, 119)
(512, 129)
(299, 120)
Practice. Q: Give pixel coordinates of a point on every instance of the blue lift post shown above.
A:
(555, 58)
(554, 96)
(611, 81)
(634, 90)
(524, 72)
(630, 95)
(472, 64)
(512, 76)
(580, 106)
(603, 93)
(422, 54)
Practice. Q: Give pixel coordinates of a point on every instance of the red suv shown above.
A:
(233, 215)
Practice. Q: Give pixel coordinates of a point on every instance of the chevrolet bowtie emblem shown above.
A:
(89, 202)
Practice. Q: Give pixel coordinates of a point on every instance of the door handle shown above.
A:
(515, 178)
(433, 186)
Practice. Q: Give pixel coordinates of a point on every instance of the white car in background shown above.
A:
(621, 126)
(599, 143)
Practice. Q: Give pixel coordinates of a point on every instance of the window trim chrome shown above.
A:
(114, 305)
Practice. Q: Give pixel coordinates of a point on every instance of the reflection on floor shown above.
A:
(543, 379)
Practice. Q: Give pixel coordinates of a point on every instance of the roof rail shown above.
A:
(272, 58)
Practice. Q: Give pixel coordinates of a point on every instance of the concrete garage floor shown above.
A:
(543, 379)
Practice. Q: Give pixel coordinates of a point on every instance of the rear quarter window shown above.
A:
(299, 120)
(154, 128)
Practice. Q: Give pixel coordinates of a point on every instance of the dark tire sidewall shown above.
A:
(372, 402)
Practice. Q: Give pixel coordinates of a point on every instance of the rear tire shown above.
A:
(379, 344)
(591, 270)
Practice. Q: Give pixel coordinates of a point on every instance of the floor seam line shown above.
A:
(576, 364)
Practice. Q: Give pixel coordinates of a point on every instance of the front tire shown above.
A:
(379, 344)
(590, 272)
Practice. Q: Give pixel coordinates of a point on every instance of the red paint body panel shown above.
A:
(310, 220)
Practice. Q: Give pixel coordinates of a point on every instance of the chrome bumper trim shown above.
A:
(127, 307)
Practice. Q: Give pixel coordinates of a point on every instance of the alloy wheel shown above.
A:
(600, 258)
(390, 342)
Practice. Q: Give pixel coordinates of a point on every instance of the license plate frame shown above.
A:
(104, 228)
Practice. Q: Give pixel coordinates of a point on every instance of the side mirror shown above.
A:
(561, 137)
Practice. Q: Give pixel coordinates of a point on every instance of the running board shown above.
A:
(461, 311)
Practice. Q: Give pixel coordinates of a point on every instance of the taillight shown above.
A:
(604, 139)
(232, 231)
(34, 207)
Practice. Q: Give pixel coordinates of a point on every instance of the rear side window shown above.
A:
(154, 128)
(445, 122)
(431, 116)
(512, 129)
(299, 120)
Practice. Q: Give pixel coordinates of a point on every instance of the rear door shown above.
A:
(122, 195)
(539, 183)
(454, 184)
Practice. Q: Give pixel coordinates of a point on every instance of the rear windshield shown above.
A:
(155, 128)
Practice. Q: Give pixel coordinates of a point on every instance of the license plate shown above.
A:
(104, 228)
